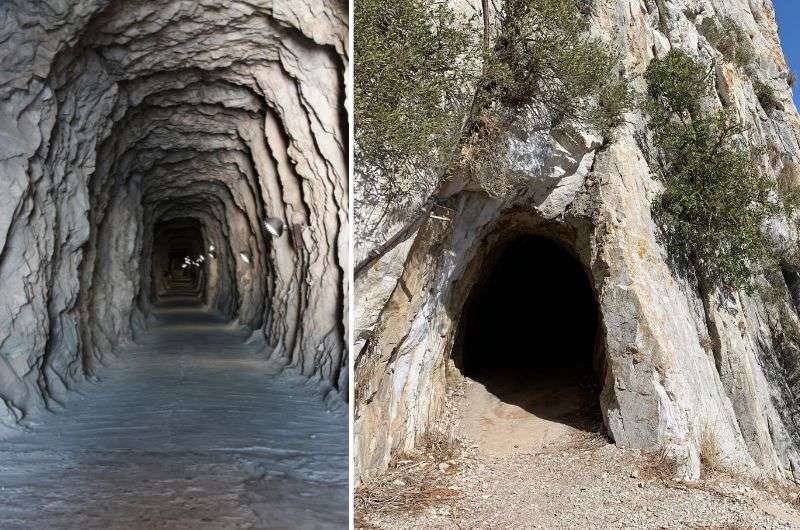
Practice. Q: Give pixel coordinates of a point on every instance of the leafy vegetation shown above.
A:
(414, 59)
(615, 98)
(731, 41)
(765, 94)
(542, 57)
(716, 200)
(541, 60)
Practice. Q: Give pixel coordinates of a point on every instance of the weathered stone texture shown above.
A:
(116, 116)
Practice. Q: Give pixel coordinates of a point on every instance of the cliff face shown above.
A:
(674, 370)
(126, 125)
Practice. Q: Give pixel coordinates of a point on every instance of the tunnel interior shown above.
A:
(149, 148)
(529, 332)
(179, 262)
(144, 133)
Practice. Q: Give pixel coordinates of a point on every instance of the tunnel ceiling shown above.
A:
(131, 114)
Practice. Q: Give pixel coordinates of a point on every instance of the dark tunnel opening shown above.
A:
(179, 262)
(529, 333)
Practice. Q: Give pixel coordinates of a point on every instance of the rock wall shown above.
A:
(119, 117)
(679, 369)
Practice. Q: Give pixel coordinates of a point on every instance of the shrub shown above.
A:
(541, 59)
(716, 199)
(710, 453)
(614, 100)
(676, 84)
(418, 63)
(731, 41)
(483, 159)
(414, 60)
(765, 94)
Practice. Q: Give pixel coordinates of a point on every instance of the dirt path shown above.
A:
(187, 429)
(505, 415)
(512, 468)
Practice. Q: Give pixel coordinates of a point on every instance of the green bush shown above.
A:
(716, 200)
(414, 61)
(417, 64)
(676, 84)
(765, 94)
(731, 41)
(615, 98)
(541, 59)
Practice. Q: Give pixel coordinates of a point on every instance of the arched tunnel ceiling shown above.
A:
(118, 115)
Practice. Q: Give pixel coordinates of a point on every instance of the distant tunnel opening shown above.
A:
(179, 257)
(529, 333)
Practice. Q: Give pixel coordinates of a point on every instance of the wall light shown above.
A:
(189, 262)
(274, 226)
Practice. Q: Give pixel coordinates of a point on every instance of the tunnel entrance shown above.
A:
(179, 262)
(528, 345)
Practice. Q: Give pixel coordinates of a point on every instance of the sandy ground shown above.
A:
(535, 460)
(187, 429)
(504, 416)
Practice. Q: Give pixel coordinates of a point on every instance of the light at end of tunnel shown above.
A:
(274, 226)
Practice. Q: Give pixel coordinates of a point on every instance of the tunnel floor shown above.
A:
(518, 411)
(527, 339)
(187, 429)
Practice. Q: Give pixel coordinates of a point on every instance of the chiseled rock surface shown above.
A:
(673, 371)
(118, 116)
(191, 429)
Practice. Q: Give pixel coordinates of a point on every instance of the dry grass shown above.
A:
(658, 466)
(413, 481)
(787, 490)
(709, 450)
(484, 160)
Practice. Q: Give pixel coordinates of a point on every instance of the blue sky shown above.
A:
(788, 12)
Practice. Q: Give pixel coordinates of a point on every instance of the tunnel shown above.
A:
(179, 262)
(529, 333)
(146, 147)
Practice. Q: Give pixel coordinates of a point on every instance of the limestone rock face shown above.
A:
(124, 123)
(673, 370)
